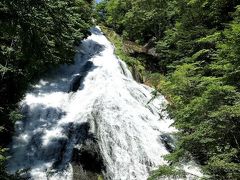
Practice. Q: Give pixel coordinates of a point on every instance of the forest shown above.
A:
(188, 50)
(195, 63)
(35, 36)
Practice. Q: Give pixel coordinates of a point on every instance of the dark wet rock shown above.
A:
(77, 79)
(80, 174)
(87, 161)
(168, 142)
(25, 109)
(88, 156)
(136, 75)
(75, 83)
(87, 66)
(59, 155)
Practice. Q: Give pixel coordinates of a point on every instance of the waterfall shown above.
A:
(91, 117)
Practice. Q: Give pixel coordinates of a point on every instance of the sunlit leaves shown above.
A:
(34, 36)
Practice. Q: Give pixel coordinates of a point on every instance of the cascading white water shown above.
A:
(97, 90)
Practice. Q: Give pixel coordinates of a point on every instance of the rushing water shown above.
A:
(95, 105)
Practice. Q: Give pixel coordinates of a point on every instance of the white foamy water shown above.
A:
(129, 130)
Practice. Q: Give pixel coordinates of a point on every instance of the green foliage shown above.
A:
(100, 177)
(3, 174)
(100, 11)
(134, 63)
(197, 45)
(2, 158)
(206, 111)
(167, 172)
(35, 36)
(15, 116)
(137, 20)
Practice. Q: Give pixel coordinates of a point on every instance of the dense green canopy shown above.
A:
(197, 44)
(35, 35)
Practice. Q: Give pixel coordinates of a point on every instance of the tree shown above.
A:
(35, 36)
(197, 45)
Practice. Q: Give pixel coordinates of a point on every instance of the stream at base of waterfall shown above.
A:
(92, 117)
